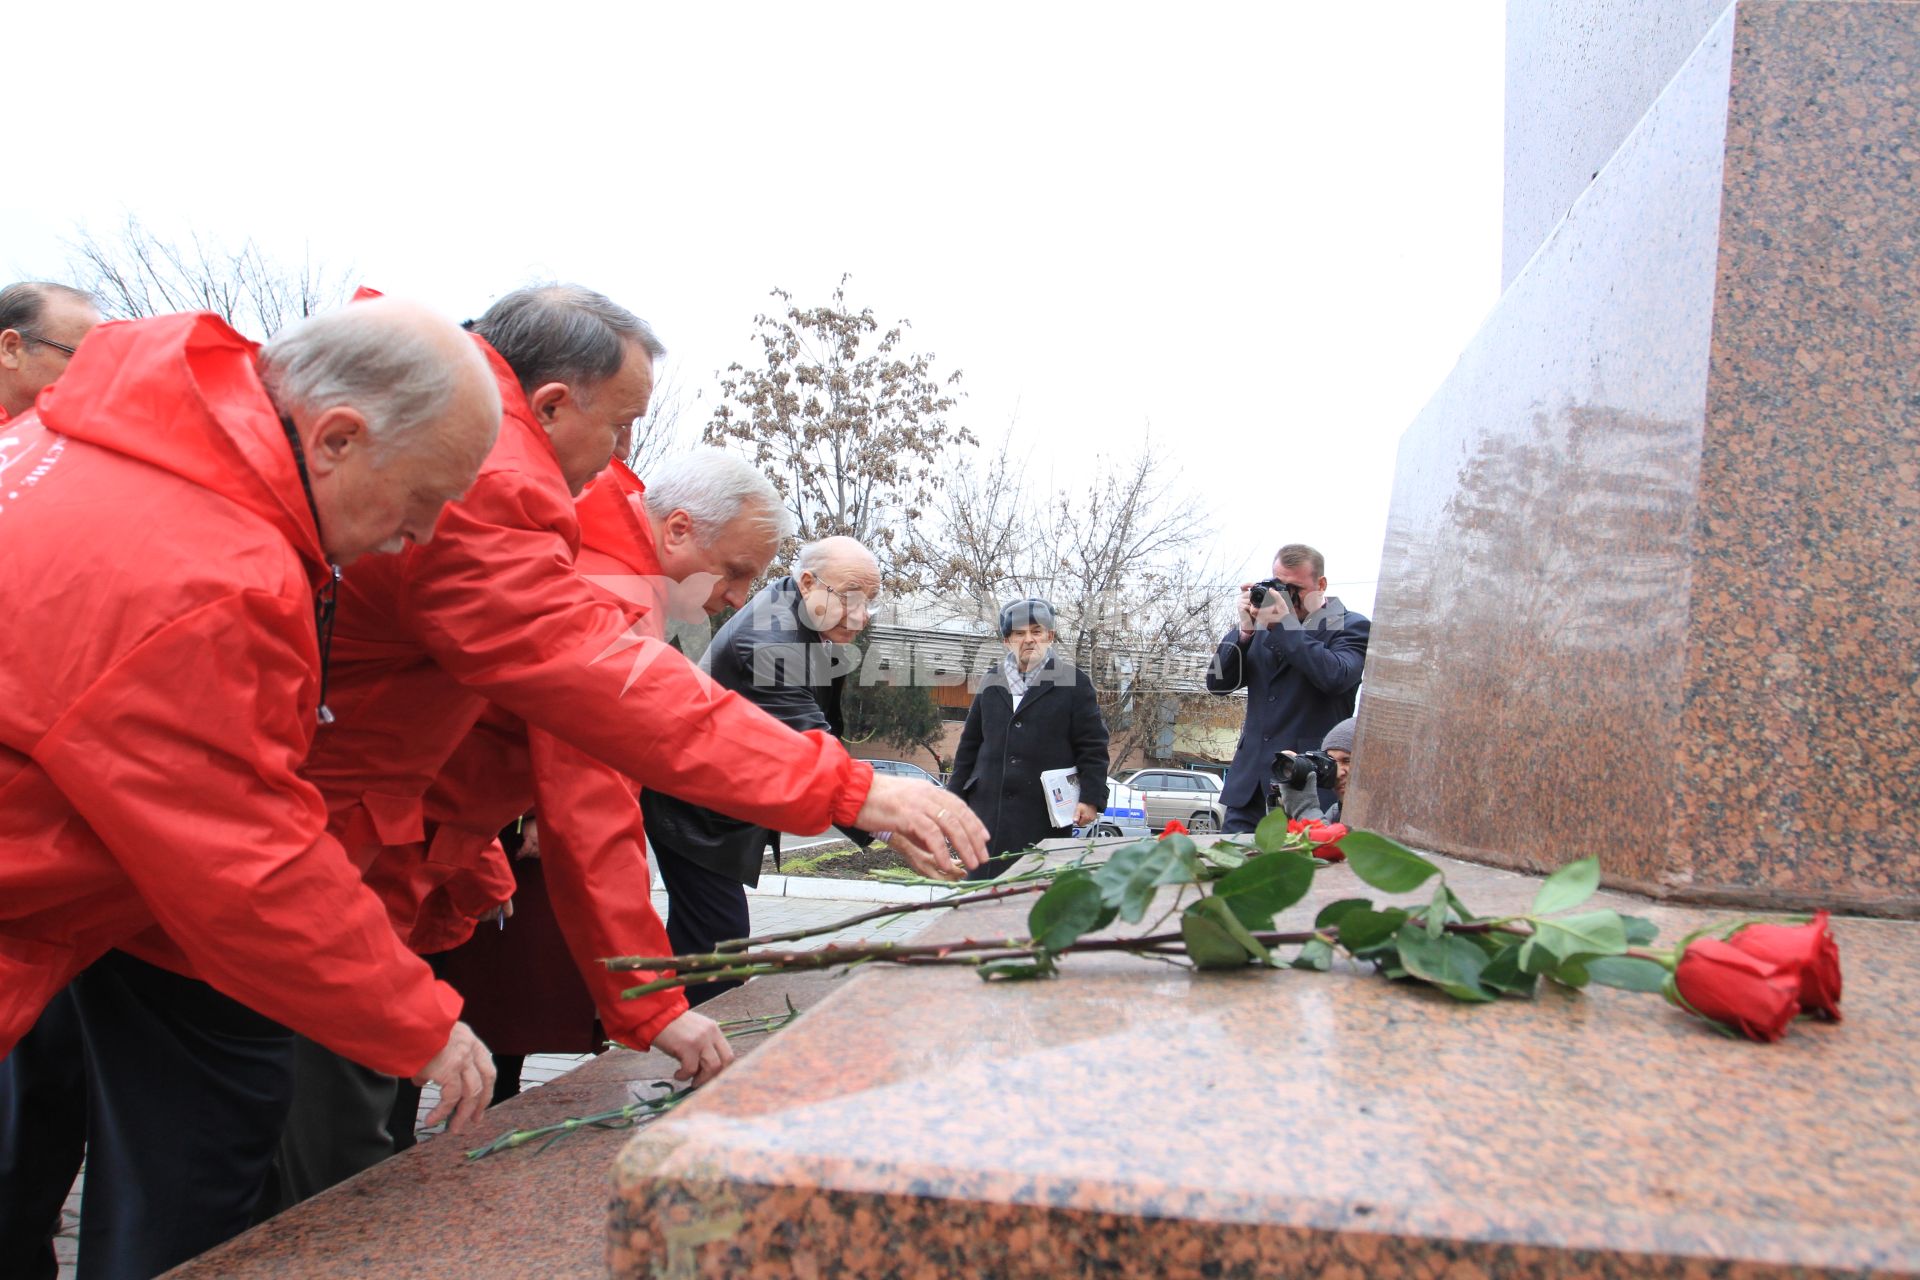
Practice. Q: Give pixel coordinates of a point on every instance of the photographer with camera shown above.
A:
(1303, 783)
(1298, 653)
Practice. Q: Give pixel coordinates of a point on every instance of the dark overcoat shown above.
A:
(1003, 750)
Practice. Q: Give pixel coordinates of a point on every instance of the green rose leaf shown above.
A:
(1073, 906)
(1366, 928)
(1226, 855)
(1222, 914)
(1127, 879)
(1629, 973)
(1210, 944)
(1452, 964)
(1385, 864)
(1640, 931)
(1184, 869)
(1568, 887)
(1571, 973)
(1331, 913)
(1314, 954)
(1503, 973)
(1271, 835)
(1591, 933)
(1016, 970)
(1437, 911)
(1266, 886)
(1460, 908)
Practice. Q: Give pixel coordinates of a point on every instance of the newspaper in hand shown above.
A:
(1062, 787)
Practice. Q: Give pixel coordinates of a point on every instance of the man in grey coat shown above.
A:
(790, 651)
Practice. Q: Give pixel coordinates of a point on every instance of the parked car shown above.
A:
(901, 769)
(1125, 815)
(1180, 795)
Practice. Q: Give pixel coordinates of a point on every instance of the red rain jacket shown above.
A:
(592, 840)
(159, 684)
(492, 610)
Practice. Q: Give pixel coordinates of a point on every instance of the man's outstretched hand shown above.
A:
(929, 818)
(698, 1044)
(464, 1071)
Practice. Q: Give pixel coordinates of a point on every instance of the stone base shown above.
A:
(1648, 583)
(1132, 1119)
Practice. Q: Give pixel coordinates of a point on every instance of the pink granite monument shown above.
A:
(1649, 581)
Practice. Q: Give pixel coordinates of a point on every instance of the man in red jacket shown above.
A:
(41, 326)
(494, 611)
(692, 557)
(169, 511)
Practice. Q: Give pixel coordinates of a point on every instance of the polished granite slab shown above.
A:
(1133, 1119)
(1648, 582)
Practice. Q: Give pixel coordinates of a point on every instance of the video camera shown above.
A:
(1294, 770)
(1258, 592)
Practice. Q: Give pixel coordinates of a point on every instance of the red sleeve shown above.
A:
(496, 601)
(183, 759)
(593, 856)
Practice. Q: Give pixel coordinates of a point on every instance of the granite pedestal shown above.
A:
(1130, 1118)
(1648, 588)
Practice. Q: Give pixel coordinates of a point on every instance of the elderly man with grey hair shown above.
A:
(41, 326)
(497, 612)
(172, 505)
(789, 651)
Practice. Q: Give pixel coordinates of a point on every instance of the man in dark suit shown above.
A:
(790, 651)
(1034, 711)
(1299, 655)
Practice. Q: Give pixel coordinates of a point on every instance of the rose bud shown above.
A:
(1745, 993)
(1325, 838)
(1807, 951)
(1174, 828)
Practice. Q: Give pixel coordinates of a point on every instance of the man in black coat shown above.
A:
(790, 651)
(1034, 711)
(1299, 655)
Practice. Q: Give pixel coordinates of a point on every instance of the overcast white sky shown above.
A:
(1260, 233)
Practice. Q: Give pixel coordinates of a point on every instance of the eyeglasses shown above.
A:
(49, 342)
(852, 598)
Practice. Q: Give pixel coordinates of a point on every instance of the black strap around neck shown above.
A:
(329, 593)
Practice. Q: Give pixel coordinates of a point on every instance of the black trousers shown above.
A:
(185, 1092)
(703, 907)
(1243, 818)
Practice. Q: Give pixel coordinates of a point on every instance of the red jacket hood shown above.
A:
(613, 520)
(183, 393)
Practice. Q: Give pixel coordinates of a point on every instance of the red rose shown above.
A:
(1806, 951)
(1174, 828)
(1750, 995)
(1325, 838)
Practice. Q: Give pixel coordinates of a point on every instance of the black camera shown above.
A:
(1293, 771)
(1259, 591)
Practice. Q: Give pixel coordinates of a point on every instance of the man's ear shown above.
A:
(12, 345)
(334, 435)
(679, 527)
(548, 399)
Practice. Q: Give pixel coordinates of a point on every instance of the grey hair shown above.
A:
(715, 488)
(563, 333)
(23, 306)
(400, 380)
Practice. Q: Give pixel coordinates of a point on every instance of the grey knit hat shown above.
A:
(1340, 737)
